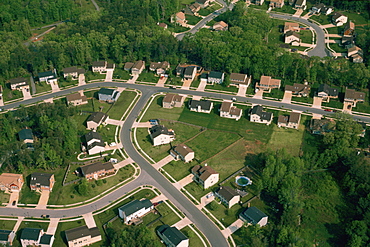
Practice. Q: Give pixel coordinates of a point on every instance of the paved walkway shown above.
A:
(115, 122)
(306, 16)
(182, 223)
(186, 84)
(202, 86)
(161, 82)
(109, 75)
(43, 201)
(317, 102)
(205, 200)
(53, 225)
(232, 228)
(121, 89)
(14, 196)
(123, 163)
(81, 80)
(163, 162)
(327, 26)
(332, 41)
(16, 226)
(333, 35)
(133, 79)
(54, 87)
(26, 93)
(89, 220)
(117, 146)
(183, 182)
(242, 90)
(142, 125)
(258, 95)
(195, 97)
(287, 97)
(306, 45)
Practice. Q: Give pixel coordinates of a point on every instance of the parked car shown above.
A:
(329, 110)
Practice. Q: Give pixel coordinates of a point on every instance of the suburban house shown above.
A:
(257, 115)
(102, 67)
(276, 3)
(128, 66)
(339, 19)
(48, 76)
(317, 8)
(96, 119)
(180, 18)
(190, 72)
(161, 135)
(138, 67)
(254, 216)
(357, 58)
(227, 196)
(6, 237)
(172, 237)
(109, 95)
(204, 106)
(259, 2)
(291, 26)
(354, 50)
(36, 237)
(76, 99)
(327, 10)
(348, 41)
(97, 170)
(205, 176)
(267, 83)
(298, 89)
(42, 181)
(172, 100)
(353, 97)
(300, 4)
(326, 93)
(183, 152)
(19, 84)
(237, 79)
(227, 110)
(192, 9)
(203, 3)
(215, 77)
(72, 72)
(82, 236)
(134, 210)
(10, 182)
(291, 121)
(163, 25)
(321, 126)
(26, 136)
(160, 67)
(220, 26)
(94, 143)
(292, 38)
(349, 29)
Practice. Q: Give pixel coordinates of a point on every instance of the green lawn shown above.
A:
(66, 82)
(11, 95)
(179, 169)
(123, 102)
(335, 103)
(175, 28)
(209, 9)
(306, 36)
(275, 93)
(285, 9)
(89, 75)
(335, 30)
(7, 224)
(192, 19)
(194, 240)
(197, 191)
(27, 196)
(4, 198)
(322, 19)
(148, 77)
(156, 111)
(226, 216)
(107, 132)
(264, 6)
(222, 87)
(60, 237)
(121, 74)
(42, 87)
(275, 36)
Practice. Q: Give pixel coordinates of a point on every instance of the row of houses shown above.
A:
(10, 182)
(298, 4)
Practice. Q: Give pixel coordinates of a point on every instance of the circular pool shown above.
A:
(243, 181)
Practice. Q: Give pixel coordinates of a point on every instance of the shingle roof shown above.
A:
(10, 178)
(128, 65)
(298, 87)
(204, 104)
(203, 172)
(25, 134)
(189, 70)
(97, 117)
(330, 91)
(159, 130)
(46, 239)
(290, 33)
(76, 96)
(47, 74)
(283, 119)
(31, 233)
(170, 97)
(135, 206)
(183, 149)
(18, 80)
(353, 94)
(227, 193)
(97, 166)
(138, 64)
(257, 109)
(106, 91)
(93, 135)
(294, 117)
(172, 234)
(99, 63)
(253, 214)
(215, 74)
(239, 78)
(40, 178)
(226, 106)
(82, 231)
(4, 235)
(70, 70)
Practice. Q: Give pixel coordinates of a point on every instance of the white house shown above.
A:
(204, 106)
(205, 176)
(134, 209)
(94, 143)
(48, 76)
(36, 237)
(339, 19)
(227, 110)
(257, 115)
(96, 119)
(161, 135)
(291, 121)
(215, 77)
(292, 38)
(82, 236)
(228, 196)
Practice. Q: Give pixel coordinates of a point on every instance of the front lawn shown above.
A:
(148, 77)
(223, 214)
(306, 36)
(210, 9)
(42, 87)
(7, 224)
(11, 95)
(4, 198)
(28, 196)
(179, 169)
(192, 19)
(222, 87)
(156, 111)
(197, 191)
(121, 74)
(60, 237)
(194, 240)
(121, 105)
(89, 75)
(322, 19)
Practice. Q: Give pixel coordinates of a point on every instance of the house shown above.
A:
(326, 93)
(109, 95)
(204, 106)
(190, 72)
(205, 176)
(172, 100)
(321, 126)
(36, 237)
(220, 26)
(353, 97)
(72, 72)
(298, 89)
(128, 66)
(357, 58)
(259, 2)
(257, 115)
(19, 84)
(160, 67)
(203, 3)
(96, 119)
(42, 181)
(26, 136)
(215, 77)
(6, 237)
(354, 50)
(97, 170)
(327, 10)
(348, 42)
(180, 18)
(349, 29)
(300, 4)
(102, 67)
(276, 3)
(138, 67)
(1, 92)
(338, 19)
(135, 209)
(162, 25)
(94, 143)
(161, 135)
(292, 38)
(11, 182)
(291, 121)
(182, 152)
(82, 236)
(192, 9)
(172, 237)
(254, 216)
(291, 26)
(227, 196)
(267, 83)
(237, 79)
(227, 110)
(317, 8)
(76, 99)
(48, 76)
(291, 2)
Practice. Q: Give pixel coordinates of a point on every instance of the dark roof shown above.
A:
(94, 144)
(215, 74)
(138, 64)
(106, 91)
(93, 135)
(40, 178)
(283, 119)
(99, 64)
(290, 32)
(70, 69)
(97, 166)
(31, 233)
(172, 234)
(258, 109)
(81, 231)
(319, 6)
(76, 96)
(47, 74)
(204, 104)
(97, 117)
(227, 192)
(333, 92)
(201, 1)
(157, 130)
(189, 70)
(183, 149)
(299, 2)
(18, 80)
(4, 235)
(180, 69)
(294, 117)
(203, 172)
(128, 65)
(337, 15)
(298, 87)
(25, 134)
(135, 206)
(46, 239)
(253, 214)
(353, 94)
(225, 106)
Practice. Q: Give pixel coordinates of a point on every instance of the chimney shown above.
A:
(249, 205)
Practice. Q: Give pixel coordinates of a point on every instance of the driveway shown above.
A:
(142, 125)
(26, 93)
(183, 182)
(182, 223)
(347, 107)
(242, 90)
(54, 87)
(317, 102)
(186, 84)
(202, 86)
(81, 80)
(232, 228)
(161, 82)
(327, 26)
(44, 198)
(123, 163)
(306, 45)
(258, 95)
(206, 200)
(163, 162)
(109, 75)
(53, 225)
(287, 97)
(2, 101)
(333, 35)
(133, 79)
(115, 122)
(298, 13)
(14, 196)
(89, 220)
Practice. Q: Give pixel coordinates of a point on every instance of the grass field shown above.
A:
(196, 190)
(306, 36)
(192, 19)
(194, 240)
(7, 224)
(42, 87)
(121, 74)
(222, 87)
(11, 95)
(89, 75)
(148, 77)
(179, 169)
(322, 19)
(156, 111)
(226, 216)
(123, 102)
(209, 9)
(4, 198)
(27, 196)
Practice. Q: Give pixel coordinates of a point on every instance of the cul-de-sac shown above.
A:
(201, 123)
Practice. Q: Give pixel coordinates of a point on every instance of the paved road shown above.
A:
(320, 49)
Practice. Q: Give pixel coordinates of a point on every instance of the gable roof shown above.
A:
(221, 23)
(4, 235)
(258, 110)
(215, 74)
(298, 87)
(128, 66)
(99, 63)
(10, 178)
(239, 78)
(227, 193)
(172, 234)
(95, 167)
(203, 172)
(138, 64)
(289, 25)
(226, 106)
(337, 15)
(204, 104)
(31, 233)
(25, 134)
(47, 74)
(135, 205)
(93, 135)
(353, 94)
(80, 232)
(267, 80)
(253, 214)
(46, 239)
(76, 96)
(106, 91)
(292, 33)
(170, 97)
(18, 80)
(333, 92)
(40, 178)
(73, 70)
(294, 117)
(97, 117)
(158, 130)
(183, 150)
(180, 15)
(189, 70)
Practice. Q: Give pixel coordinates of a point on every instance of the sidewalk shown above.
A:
(16, 226)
